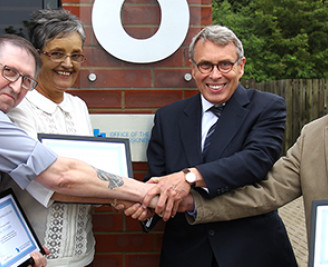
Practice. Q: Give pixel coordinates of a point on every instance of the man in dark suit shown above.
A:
(243, 147)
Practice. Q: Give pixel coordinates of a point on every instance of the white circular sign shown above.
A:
(109, 31)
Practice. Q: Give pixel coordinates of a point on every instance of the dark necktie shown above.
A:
(217, 111)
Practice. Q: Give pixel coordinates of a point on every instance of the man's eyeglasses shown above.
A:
(207, 67)
(13, 75)
(58, 56)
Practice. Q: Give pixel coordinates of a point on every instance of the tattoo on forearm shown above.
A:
(114, 180)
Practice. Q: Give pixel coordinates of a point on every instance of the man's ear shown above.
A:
(242, 66)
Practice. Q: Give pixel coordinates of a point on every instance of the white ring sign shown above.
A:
(109, 31)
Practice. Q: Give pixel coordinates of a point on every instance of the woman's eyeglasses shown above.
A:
(58, 56)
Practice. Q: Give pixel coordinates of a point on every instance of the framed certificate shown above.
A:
(17, 238)
(108, 154)
(318, 254)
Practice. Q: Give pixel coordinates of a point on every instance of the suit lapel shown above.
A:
(231, 119)
(190, 130)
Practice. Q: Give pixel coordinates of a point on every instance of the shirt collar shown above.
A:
(206, 105)
(46, 104)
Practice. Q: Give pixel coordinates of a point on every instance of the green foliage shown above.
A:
(283, 39)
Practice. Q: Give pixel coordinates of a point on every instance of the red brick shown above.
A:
(93, 39)
(135, 14)
(206, 2)
(82, 12)
(172, 78)
(139, 175)
(103, 208)
(190, 93)
(193, 30)
(177, 59)
(122, 78)
(203, 2)
(67, 2)
(131, 242)
(132, 225)
(98, 57)
(140, 2)
(174, 60)
(75, 10)
(99, 98)
(141, 32)
(150, 98)
(201, 15)
(140, 166)
(143, 260)
(112, 260)
(88, 31)
(140, 170)
(187, 63)
(206, 15)
(158, 241)
(107, 222)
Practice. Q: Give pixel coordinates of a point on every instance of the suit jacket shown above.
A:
(302, 171)
(246, 143)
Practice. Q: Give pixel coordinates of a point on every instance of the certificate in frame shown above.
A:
(109, 154)
(17, 238)
(318, 256)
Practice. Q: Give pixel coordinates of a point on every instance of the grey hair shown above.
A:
(219, 35)
(22, 43)
(46, 24)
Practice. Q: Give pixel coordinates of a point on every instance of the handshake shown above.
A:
(165, 196)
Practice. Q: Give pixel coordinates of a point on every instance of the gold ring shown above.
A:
(113, 204)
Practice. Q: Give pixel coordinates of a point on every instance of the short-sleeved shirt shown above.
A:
(22, 157)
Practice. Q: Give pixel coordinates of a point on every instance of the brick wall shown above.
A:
(123, 87)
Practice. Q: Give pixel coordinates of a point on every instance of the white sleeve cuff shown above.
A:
(40, 193)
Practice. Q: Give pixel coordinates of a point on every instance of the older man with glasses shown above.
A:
(223, 138)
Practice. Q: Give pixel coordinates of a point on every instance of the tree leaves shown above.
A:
(283, 39)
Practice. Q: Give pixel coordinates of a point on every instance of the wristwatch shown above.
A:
(190, 177)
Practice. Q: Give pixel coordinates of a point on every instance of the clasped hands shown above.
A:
(169, 195)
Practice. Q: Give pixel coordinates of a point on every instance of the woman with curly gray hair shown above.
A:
(65, 229)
